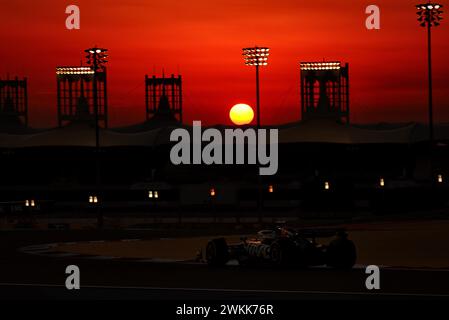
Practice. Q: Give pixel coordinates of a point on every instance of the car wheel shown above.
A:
(217, 253)
(281, 253)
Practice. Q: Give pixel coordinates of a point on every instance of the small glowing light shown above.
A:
(440, 178)
(32, 203)
(27, 203)
(153, 194)
(327, 185)
(212, 192)
(93, 199)
(270, 188)
(382, 182)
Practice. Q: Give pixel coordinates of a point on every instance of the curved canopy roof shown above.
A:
(83, 135)
(311, 131)
(329, 131)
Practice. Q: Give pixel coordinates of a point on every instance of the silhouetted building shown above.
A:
(163, 97)
(325, 91)
(13, 103)
(75, 95)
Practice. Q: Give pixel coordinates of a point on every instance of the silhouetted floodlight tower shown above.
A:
(429, 15)
(325, 90)
(75, 95)
(96, 59)
(14, 100)
(256, 56)
(163, 89)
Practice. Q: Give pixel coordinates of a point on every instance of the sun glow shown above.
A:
(241, 114)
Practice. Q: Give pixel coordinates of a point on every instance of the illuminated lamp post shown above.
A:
(256, 57)
(96, 58)
(429, 15)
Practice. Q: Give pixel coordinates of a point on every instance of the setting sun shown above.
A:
(241, 114)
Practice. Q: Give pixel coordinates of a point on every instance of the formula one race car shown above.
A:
(284, 246)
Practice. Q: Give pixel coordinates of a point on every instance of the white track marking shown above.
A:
(236, 290)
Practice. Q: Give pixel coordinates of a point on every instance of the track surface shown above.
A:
(25, 276)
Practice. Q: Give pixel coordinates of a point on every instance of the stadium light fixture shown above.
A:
(96, 58)
(75, 71)
(320, 66)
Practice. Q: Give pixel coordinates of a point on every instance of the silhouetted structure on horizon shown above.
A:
(13, 103)
(163, 97)
(325, 91)
(75, 95)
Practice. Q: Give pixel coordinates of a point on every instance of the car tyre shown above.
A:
(281, 252)
(217, 252)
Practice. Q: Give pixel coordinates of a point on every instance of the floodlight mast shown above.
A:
(429, 15)
(256, 56)
(96, 58)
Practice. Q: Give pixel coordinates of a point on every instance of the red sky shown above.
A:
(202, 39)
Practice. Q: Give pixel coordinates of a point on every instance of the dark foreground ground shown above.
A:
(25, 276)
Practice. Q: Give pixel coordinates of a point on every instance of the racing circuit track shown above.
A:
(25, 276)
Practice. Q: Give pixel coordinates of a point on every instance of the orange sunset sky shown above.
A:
(202, 40)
